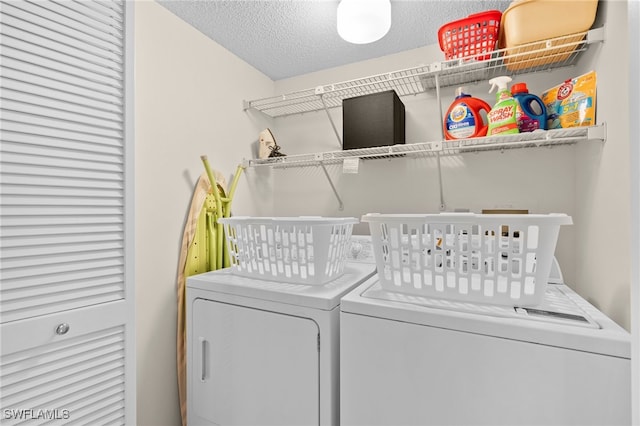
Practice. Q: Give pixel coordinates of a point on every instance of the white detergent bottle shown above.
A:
(502, 117)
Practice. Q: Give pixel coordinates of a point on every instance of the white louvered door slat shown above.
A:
(66, 213)
(104, 387)
(31, 116)
(105, 7)
(17, 189)
(43, 130)
(72, 248)
(61, 181)
(55, 221)
(66, 100)
(58, 61)
(18, 231)
(24, 291)
(25, 77)
(40, 270)
(57, 159)
(21, 36)
(33, 12)
(24, 108)
(86, 19)
(66, 146)
(98, 13)
(12, 22)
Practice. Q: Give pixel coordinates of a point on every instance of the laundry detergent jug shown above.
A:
(531, 112)
(463, 119)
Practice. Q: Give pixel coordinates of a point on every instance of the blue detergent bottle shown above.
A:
(531, 113)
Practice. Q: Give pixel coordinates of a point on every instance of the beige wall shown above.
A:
(603, 178)
(188, 102)
(634, 139)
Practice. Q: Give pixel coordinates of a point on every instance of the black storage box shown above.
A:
(372, 120)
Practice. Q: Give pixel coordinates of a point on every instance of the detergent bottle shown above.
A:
(532, 112)
(502, 117)
(463, 119)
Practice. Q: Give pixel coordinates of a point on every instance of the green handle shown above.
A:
(219, 213)
(211, 228)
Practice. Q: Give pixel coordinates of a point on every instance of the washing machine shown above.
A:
(264, 352)
(411, 360)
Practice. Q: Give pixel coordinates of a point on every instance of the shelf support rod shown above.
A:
(333, 187)
(442, 205)
(335, 129)
(437, 82)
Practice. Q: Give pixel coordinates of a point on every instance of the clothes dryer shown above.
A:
(410, 360)
(264, 352)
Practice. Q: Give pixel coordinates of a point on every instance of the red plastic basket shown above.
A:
(477, 33)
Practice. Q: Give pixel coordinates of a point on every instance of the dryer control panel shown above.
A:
(360, 249)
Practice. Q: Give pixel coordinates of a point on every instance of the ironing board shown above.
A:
(202, 250)
(193, 259)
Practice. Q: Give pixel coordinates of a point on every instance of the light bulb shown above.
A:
(364, 21)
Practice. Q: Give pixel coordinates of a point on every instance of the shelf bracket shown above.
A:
(333, 125)
(595, 35)
(333, 187)
(597, 132)
(443, 206)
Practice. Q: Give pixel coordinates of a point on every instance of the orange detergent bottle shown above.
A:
(463, 119)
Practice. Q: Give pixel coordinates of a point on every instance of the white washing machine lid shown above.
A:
(325, 297)
(564, 320)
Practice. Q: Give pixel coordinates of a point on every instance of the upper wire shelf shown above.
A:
(538, 56)
(540, 138)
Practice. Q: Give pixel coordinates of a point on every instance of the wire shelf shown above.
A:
(539, 138)
(531, 57)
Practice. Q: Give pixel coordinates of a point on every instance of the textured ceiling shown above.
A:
(285, 38)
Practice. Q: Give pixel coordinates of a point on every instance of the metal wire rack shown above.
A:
(532, 57)
(549, 138)
(537, 56)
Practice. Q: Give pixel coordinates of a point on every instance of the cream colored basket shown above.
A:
(499, 259)
(301, 250)
(542, 32)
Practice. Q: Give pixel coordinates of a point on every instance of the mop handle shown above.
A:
(232, 190)
(218, 213)
(212, 179)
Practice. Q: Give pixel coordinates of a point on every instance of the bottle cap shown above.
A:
(519, 88)
(460, 92)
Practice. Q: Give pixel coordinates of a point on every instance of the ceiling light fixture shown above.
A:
(363, 21)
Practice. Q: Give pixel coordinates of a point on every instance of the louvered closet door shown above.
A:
(66, 192)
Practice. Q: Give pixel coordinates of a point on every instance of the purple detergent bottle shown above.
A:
(531, 113)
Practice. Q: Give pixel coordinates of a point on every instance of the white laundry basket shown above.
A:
(302, 250)
(502, 259)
